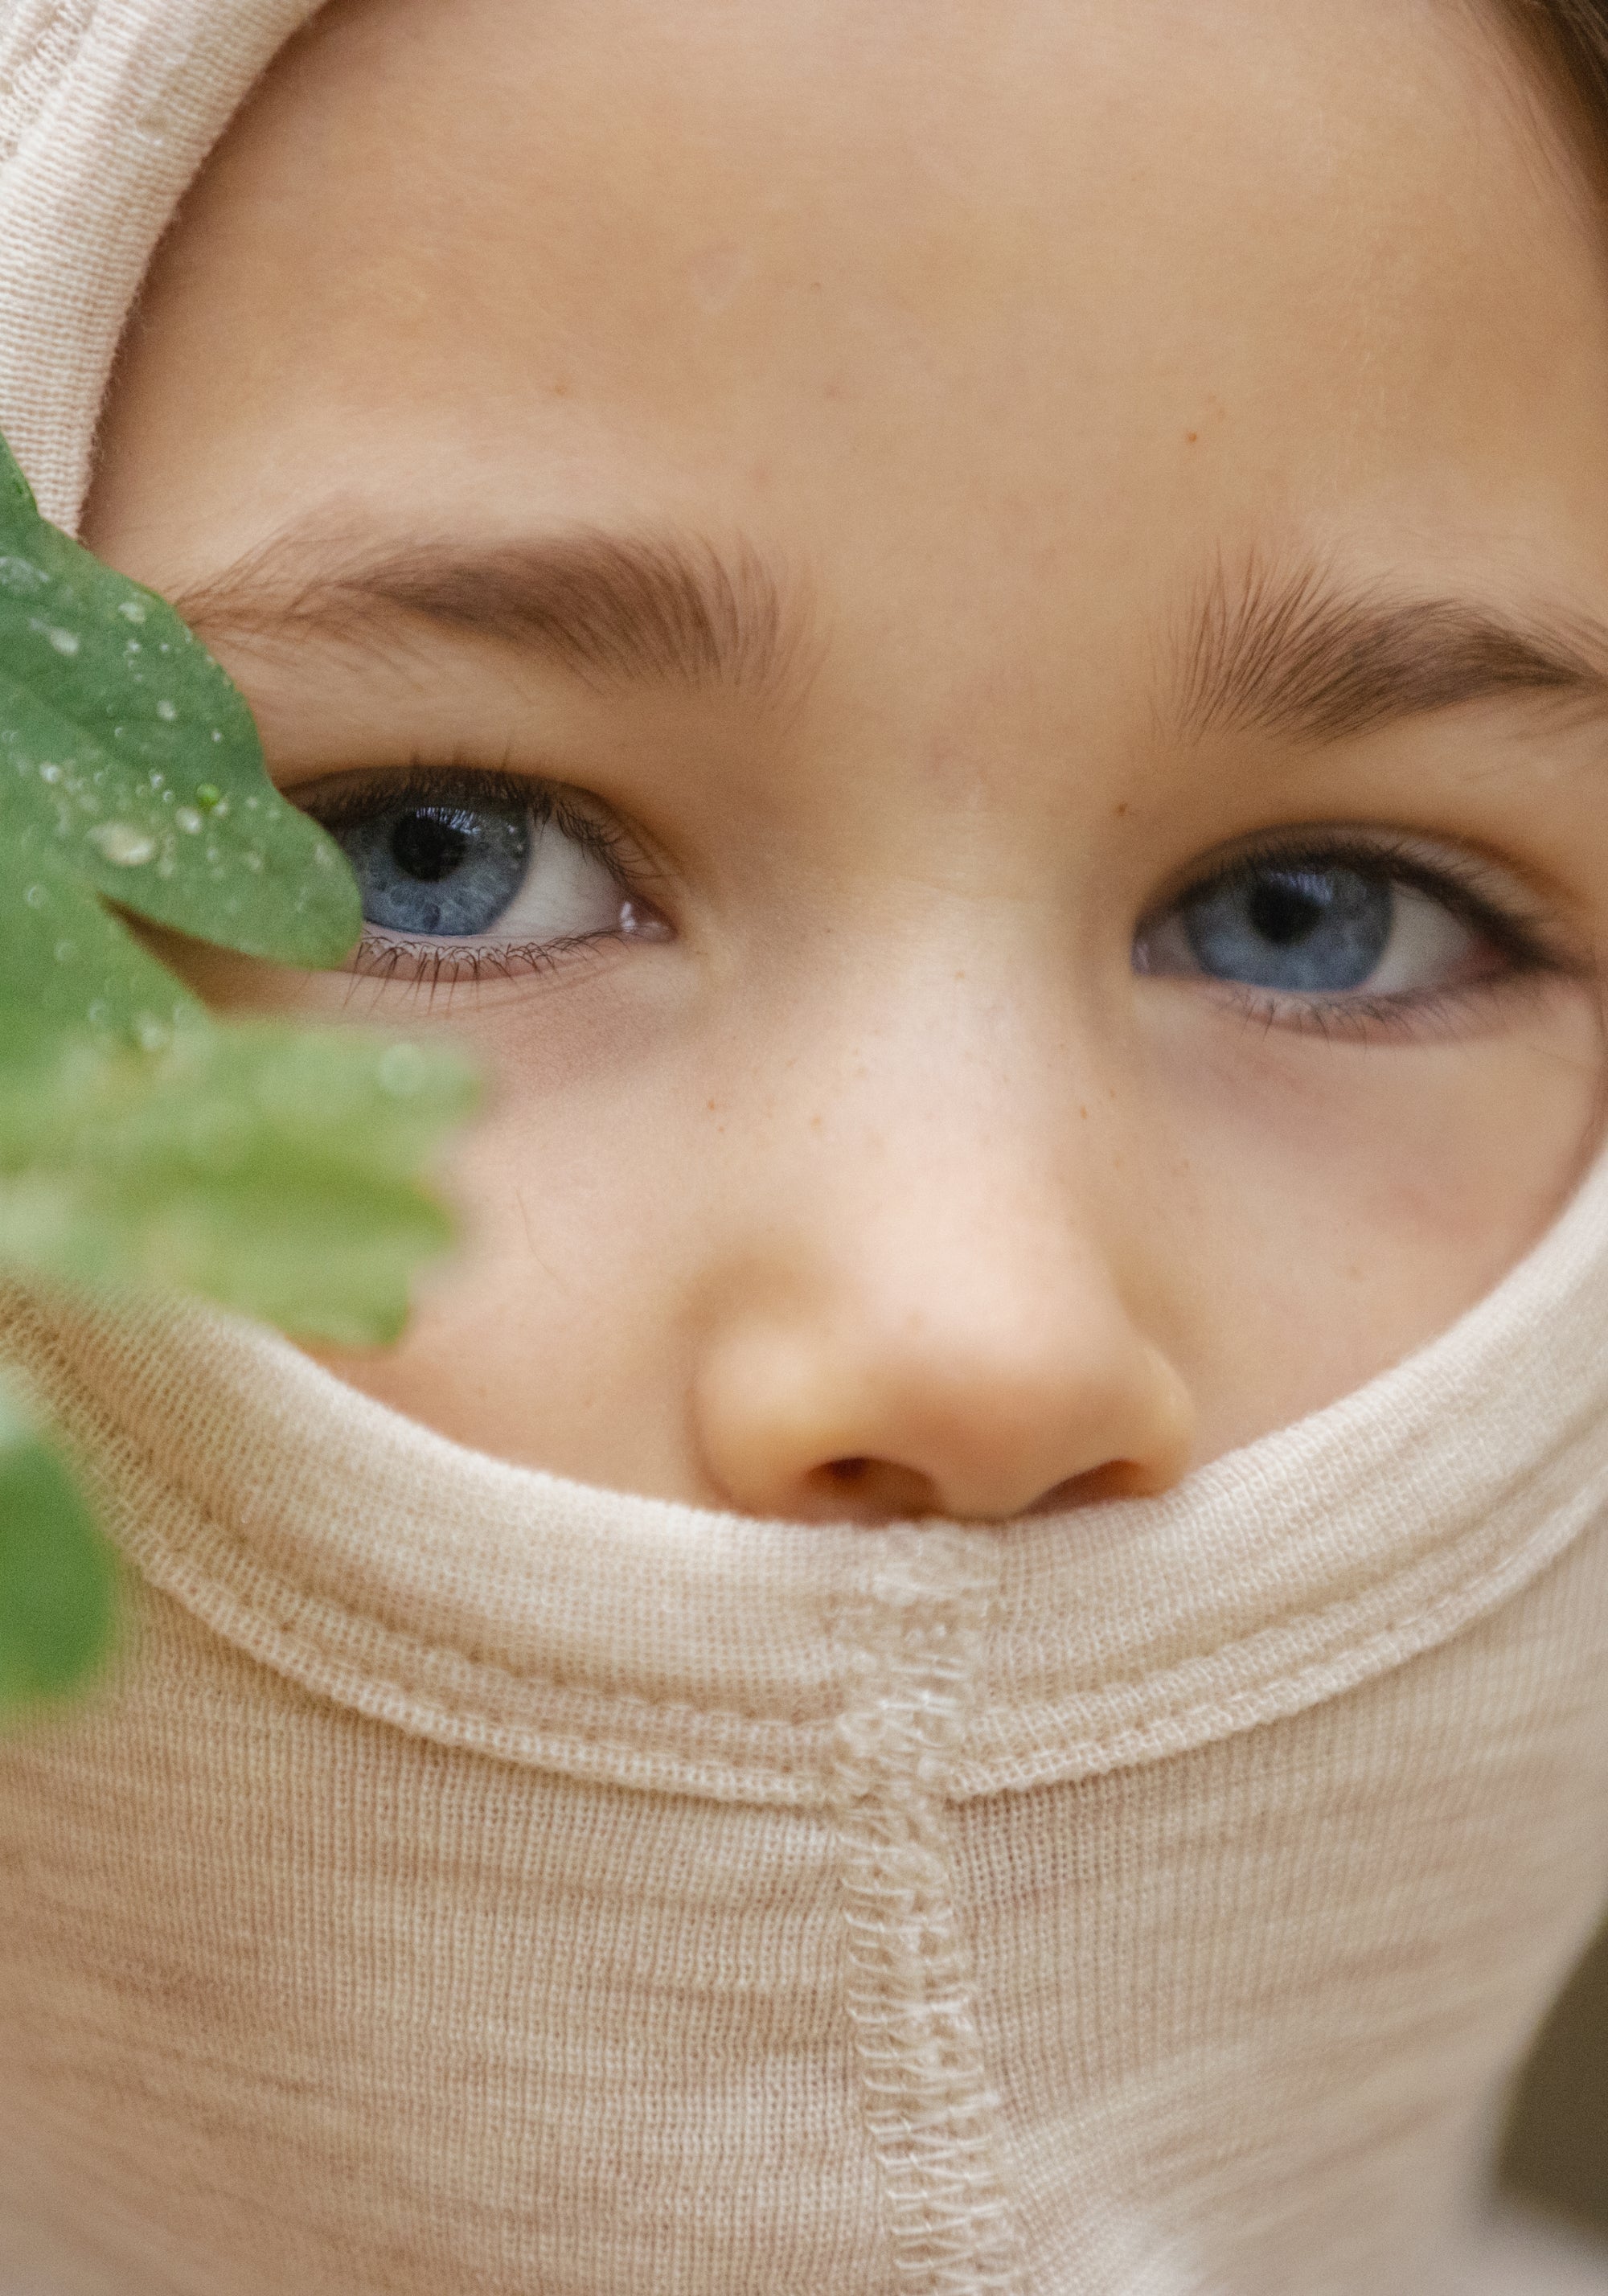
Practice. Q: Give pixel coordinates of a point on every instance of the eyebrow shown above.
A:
(1295, 652)
(611, 610)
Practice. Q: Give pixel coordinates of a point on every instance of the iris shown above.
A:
(1303, 930)
(448, 869)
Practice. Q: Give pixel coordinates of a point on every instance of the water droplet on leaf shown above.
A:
(122, 844)
(166, 710)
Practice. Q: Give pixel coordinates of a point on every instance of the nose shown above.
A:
(965, 1366)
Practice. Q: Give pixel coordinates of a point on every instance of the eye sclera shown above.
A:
(1443, 889)
(566, 850)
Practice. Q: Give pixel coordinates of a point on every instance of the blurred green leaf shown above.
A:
(56, 1576)
(270, 1169)
(71, 973)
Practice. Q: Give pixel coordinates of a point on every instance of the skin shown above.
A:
(876, 1179)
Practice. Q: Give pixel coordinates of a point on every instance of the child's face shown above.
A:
(1051, 552)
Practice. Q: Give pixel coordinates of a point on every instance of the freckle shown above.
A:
(960, 976)
(560, 389)
(1123, 809)
(1192, 438)
(1084, 1114)
(711, 1107)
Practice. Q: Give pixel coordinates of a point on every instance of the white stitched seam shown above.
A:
(910, 1650)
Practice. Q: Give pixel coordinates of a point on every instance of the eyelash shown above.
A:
(1529, 950)
(434, 964)
(1532, 953)
(352, 800)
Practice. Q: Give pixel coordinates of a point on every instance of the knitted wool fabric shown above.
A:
(470, 1881)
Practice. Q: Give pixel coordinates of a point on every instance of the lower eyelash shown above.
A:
(1404, 1018)
(447, 965)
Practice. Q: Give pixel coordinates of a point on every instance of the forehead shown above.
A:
(1104, 271)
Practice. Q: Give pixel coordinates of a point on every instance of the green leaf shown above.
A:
(269, 1169)
(127, 759)
(56, 1577)
(144, 1147)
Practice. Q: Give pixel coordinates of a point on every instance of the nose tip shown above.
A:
(812, 1423)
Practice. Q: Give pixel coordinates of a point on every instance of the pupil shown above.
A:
(1284, 911)
(428, 846)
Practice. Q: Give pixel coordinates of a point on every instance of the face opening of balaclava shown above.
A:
(474, 1882)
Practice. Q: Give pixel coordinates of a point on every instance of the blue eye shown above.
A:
(1307, 931)
(1323, 926)
(457, 868)
(439, 869)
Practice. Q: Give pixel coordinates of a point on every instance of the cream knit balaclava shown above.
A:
(474, 1884)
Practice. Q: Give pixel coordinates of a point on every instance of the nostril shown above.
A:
(1118, 1478)
(857, 1488)
(848, 1471)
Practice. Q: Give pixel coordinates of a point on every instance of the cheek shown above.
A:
(1345, 1204)
(549, 1336)
(553, 1336)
